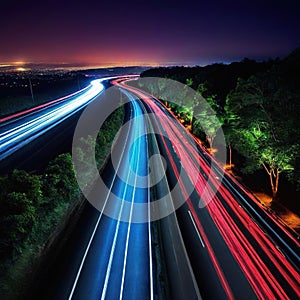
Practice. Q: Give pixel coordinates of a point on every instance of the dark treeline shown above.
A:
(219, 78)
(258, 106)
(35, 207)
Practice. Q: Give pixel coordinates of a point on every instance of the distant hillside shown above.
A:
(114, 71)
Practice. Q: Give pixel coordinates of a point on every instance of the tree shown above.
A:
(186, 101)
(59, 180)
(208, 115)
(16, 222)
(230, 125)
(176, 96)
(22, 182)
(259, 136)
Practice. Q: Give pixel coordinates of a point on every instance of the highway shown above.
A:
(227, 248)
(114, 259)
(235, 249)
(20, 129)
(123, 269)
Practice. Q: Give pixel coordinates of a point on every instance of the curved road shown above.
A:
(235, 248)
(221, 249)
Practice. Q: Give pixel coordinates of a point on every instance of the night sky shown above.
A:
(147, 32)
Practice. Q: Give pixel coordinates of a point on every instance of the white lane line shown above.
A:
(149, 213)
(179, 232)
(130, 219)
(113, 247)
(198, 233)
(115, 239)
(96, 226)
(149, 231)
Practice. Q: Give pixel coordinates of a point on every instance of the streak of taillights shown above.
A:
(228, 229)
(48, 104)
(259, 235)
(223, 221)
(259, 276)
(210, 250)
(14, 138)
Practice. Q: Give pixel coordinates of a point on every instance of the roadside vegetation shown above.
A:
(258, 106)
(34, 207)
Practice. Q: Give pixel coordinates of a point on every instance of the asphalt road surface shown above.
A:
(218, 244)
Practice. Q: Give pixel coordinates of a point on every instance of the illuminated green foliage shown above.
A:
(258, 135)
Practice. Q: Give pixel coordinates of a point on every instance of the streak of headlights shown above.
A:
(14, 138)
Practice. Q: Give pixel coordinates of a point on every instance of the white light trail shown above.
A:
(13, 139)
